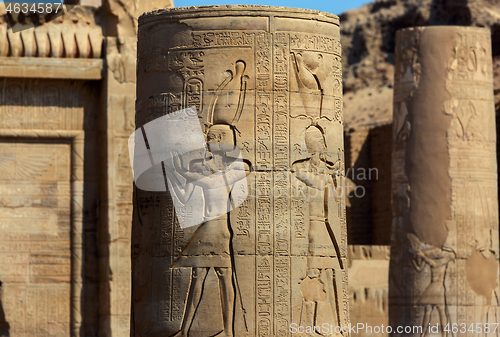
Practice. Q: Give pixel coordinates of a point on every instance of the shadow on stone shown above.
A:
(4, 325)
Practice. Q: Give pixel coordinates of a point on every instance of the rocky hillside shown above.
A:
(368, 38)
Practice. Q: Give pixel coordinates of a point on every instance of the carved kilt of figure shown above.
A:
(209, 246)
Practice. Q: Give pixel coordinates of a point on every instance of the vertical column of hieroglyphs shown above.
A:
(281, 186)
(263, 180)
(444, 255)
(189, 65)
(166, 234)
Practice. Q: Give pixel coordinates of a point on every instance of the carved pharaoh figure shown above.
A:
(319, 175)
(434, 296)
(210, 245)
(216, 173)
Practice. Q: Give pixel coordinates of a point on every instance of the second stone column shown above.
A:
(444, 250)
(241, 233)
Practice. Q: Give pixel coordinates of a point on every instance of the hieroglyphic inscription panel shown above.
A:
(276, 97)
(35, 237)
(51, 104)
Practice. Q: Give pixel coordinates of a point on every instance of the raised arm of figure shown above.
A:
(418, 262)
(183, 193)
(431, 262)
(315, 180)
(189, 175)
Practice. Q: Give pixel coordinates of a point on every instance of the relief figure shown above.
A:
(220, 172)
(306, 65)
(217, 173)
(434, 296)
(323, 256)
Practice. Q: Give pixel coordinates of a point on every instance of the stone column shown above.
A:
(444, 254)
(119, 88)
(257, 248)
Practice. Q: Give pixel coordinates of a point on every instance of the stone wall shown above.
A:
(66, 183)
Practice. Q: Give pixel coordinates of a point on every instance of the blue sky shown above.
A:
(332, 6)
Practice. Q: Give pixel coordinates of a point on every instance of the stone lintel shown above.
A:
(35, 67)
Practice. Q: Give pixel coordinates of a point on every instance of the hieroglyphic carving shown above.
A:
(222, 39)
(58, 105)
(156, 60)
(455, 236)
(318, 43)
(216, 69)
(281, 143)
(472, 148)
(264, 210)
(189, 64)
(162, 104)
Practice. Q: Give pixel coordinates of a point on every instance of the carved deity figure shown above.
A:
(306, 66)
(323, 257)
(210, 246)
(434, 296)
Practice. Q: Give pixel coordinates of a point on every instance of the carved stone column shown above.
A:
(266, 86)
(444, 255)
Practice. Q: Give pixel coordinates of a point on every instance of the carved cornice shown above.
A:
(75, 34)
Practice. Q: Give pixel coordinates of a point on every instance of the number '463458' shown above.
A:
(33, 8)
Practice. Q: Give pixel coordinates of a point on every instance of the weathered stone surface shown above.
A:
(128, 11)
(56, 68)
(72, 35)
(64, 124)
(268, 81)
(444, 254)
(119, 79)
(48, 238)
